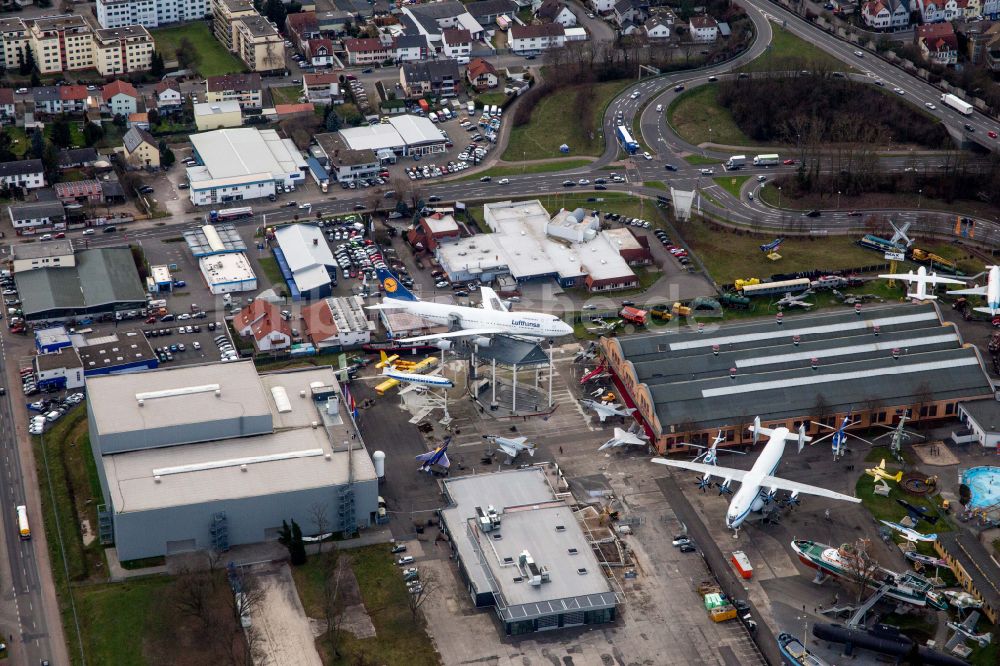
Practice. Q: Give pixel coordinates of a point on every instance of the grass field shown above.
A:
(732, 184)
(541, 167)
(886, 508)
(271, 270)
(656, 185)
(697, 118)
(286, 94)
(489, 98)
(789, 53)
(730, 254)
(549, 127)
(211, 58)
(399, 639)
(117, 619)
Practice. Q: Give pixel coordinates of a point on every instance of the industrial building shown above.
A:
(528, 245)
(242, 163)
(520, 549)
(63, 369)
(982, 418)
(222, 260)
(102, 281)
(306, 261)
(337, 323)
(125, 351)
(52, 254)
(872, 364)
(402, 135)
(213, 456)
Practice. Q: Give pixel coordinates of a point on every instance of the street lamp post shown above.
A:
(779, 196)
(920, 194)
(838, 199)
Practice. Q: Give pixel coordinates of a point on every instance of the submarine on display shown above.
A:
(884, 639)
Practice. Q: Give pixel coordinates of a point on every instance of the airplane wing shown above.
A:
(970, 622)
(491, 301)
(443, 460)
(702, 468)
(507, 448)
(937, 279)
(612, 443)
(954, 641)
(424, 457)
(796, 487)
(975, 291)
(909, 277)
(464, 333)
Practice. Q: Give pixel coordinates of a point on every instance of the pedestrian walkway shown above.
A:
(119, 574)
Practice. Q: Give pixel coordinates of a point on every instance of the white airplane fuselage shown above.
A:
(413, 378)
(748, 498)
(532, 324)
(993, 290)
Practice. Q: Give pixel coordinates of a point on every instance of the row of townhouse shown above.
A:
(67, 43)
(896, 14)
(117, 98)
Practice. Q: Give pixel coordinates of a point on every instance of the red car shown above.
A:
(788, 162)
(151, 320)
(59, 235)
(991, 134)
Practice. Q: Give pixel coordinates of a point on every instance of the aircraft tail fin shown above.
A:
(393, 287)
(898, 477)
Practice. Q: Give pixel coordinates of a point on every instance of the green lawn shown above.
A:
(656, 185)
(117, 619)
(541, 167)
(489, 98)
(286, 94)
(886, 508)
(697, 117)
(701, 159)
(399, 639)
(212, 59)
(20, 141)
(789, 53)
(730, 254)
(732, 184)
(549, 127)
(271, 270)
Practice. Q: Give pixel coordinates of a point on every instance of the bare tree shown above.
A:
(193, 596)
(421, 593)
(863, 570)
(332, 600)
(317, 513)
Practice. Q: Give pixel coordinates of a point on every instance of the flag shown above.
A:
(350, 402)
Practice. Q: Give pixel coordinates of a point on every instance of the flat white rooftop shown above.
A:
(241, 152)
(226, 268)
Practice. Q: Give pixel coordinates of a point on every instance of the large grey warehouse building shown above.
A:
(211, 456)
(520, 549)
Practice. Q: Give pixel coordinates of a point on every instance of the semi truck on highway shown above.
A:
(766, 160)
(22, 522)
(958, 104)
(736, 162)
(229, 214)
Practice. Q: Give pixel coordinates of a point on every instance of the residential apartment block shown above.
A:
(258, 44)
(149, 13)
(246, 89)
(535, 38)
(224, 15)
(13, 42)
(123, 50)
(62, 43)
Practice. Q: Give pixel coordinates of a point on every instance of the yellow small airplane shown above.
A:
(880, 473)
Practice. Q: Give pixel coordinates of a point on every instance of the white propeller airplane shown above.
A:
(921, 278)
(512, 445)
(430, 379)
(966, 631)
(991, 290)
(625, 438)
(491, 319)
(606, 409)
(757, 485)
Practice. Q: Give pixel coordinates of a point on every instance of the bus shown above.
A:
(780, 287)
(230, 214)
(630, 145)
(22, 522)
(873, 242)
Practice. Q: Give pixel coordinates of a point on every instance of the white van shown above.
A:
(433, 117)
(659, 108)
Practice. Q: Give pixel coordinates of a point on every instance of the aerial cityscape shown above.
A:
(440, 332)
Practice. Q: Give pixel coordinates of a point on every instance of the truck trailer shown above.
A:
(736, 162)
(767, 160)
(958, 104)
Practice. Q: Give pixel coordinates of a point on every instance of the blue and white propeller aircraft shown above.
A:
(991, 290)
(491, 319)
(758, 486)
(430, 379)
(438, 457)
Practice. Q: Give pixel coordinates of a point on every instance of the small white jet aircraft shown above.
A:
(921, 278)
(512, 446)
(606, 409)
(491, 319)
(625, 438)
(991, 290)
(757, 485)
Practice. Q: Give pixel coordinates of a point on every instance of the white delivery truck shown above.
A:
(766, 160)
(736, 162)
(958, 104)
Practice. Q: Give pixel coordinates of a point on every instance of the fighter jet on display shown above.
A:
(623, 438)
(491, 319)
(438, 456)
(921, 278)
(917, 513)
(512, 446)
(790, 301)
(909, 534)
(758, 486)
(966, 631)
(604, 327)
(606, 409)
(991, 290)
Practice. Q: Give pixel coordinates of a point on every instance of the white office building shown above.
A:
(242, 163)
(226, 273)
(149, 13)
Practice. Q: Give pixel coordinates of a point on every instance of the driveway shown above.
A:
(286, 637)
